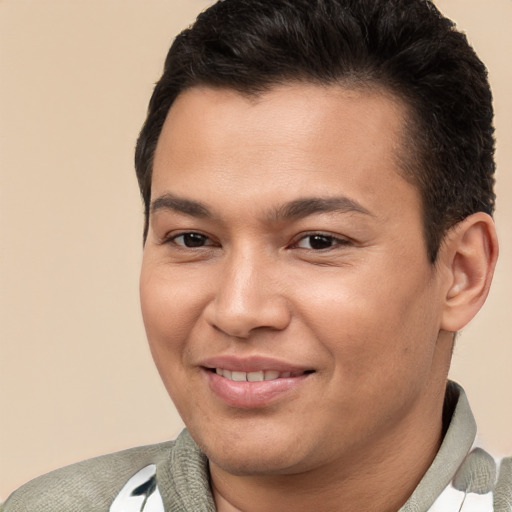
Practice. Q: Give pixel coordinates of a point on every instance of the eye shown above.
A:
(191, 240)
(319, 241)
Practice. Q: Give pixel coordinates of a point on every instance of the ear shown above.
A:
(469, 253)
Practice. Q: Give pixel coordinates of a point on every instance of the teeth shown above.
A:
(255, 376)
(227, 374)
(238, 376)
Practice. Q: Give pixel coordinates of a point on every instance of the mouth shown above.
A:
(245, 385)
(257, 376)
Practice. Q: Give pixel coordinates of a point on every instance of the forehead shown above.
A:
(284, 112)
(298, 139)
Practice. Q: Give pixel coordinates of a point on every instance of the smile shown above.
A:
(254, 389)
(256, 376)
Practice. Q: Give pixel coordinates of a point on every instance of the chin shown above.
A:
(252, 454)
(254, 464)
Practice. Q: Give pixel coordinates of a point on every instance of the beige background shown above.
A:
(76, 378)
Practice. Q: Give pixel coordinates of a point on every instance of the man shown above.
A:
(317, 179)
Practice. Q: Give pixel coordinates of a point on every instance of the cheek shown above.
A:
(374, 326)
(168, 310)
(171, 298)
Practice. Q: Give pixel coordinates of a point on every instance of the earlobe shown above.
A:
(470, 251)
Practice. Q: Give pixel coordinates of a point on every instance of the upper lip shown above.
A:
(252, 364)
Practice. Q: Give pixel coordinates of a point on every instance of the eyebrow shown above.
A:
(180, 205)
(311, 205)
(294, 209)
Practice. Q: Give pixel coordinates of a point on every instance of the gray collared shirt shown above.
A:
(174, 477)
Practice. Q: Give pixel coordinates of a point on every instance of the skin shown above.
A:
(360, 305)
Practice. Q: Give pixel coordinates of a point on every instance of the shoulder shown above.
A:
(482, 483)
(463, 476)
(88, 485)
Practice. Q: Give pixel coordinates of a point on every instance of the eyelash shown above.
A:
(333, 240)
(172, 239)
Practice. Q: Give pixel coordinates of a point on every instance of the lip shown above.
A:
(250, 395)
(252, 364)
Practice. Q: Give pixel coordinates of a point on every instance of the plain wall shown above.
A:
(76, 376)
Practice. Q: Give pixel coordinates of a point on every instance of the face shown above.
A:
(286, 292)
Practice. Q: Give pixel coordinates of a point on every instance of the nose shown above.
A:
(249, 297)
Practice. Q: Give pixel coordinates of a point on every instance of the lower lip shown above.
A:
(248, 395)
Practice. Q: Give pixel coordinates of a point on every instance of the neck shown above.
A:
(378, 478)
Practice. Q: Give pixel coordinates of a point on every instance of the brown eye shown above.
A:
(191, 240)
(316, 242)
(320, 241)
